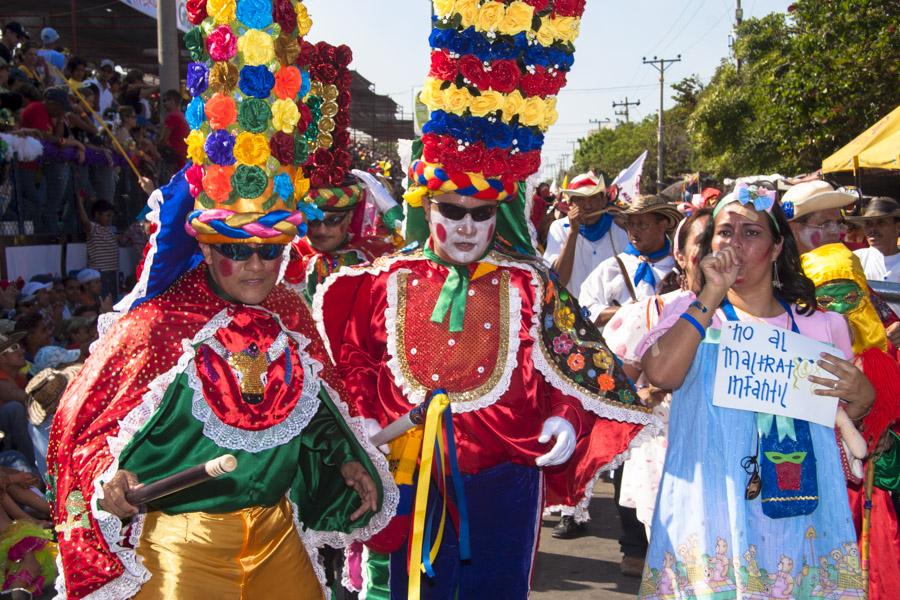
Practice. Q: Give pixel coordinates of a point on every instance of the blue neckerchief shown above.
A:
(593, 233)
(645, 271)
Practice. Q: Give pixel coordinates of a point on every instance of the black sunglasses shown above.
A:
(458, 213)
(243, 252)
(329, 221)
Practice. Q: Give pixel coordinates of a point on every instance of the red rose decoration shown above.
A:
(326, 53)
(493, 162)
(505, 76)
(434, 147)
(342, 120)
(337, 176)
(472, 69)
(307, 55)
(470, 158)
(568, 8)
(523, 164)
(344, 55)
(343, 99)
(346, 79)
(342, 158)
(282, 147)
(284, 14)
(196, 11)
(305, 117)
(318, 178)
(322, 159)
(442, 66)
(325, 72)
(539, 5)
(341, 138)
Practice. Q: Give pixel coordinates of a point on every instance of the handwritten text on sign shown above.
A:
(762, 368)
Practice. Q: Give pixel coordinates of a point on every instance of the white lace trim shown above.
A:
(416, 393)
(580, 510)
(390, 493)
(235, 438)
(60, 583)
(312, 550)
(380, 265)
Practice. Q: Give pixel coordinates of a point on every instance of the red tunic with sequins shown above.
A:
(377, 323)
(144, 344)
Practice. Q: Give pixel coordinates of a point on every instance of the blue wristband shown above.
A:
(695, 323)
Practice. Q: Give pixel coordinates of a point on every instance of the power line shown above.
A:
(625, 112)
(661, 64)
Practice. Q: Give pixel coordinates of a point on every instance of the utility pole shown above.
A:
(167, 46)
(600, 122)
(625, 112)
(738, 19)
(661, 64)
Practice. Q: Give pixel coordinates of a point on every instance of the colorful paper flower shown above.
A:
(195, 142)
(602, 360)
(282, 147)
(304, 22)
(195, 113)
(286, 49)
(193, 42)
(285, 115)
(517, 19)
(283, 186)
(221, 11)
(256, 81)
(251, 148)
(255, 14)
(196, 11)
(562, 344)
(565, 318)
(221, 111)
(196, 78)
(288, 81)
(257, 47)
(249, 182)
(223, 78)
(219, 147)
(194, 176)
(253, 115)
(217, 182)
(606, 382)
(221, 43)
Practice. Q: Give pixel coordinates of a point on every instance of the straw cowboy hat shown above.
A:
(878, 208)
(643, 205)
(44, 392)
(8, 341)
(584, 185)
(812, 196)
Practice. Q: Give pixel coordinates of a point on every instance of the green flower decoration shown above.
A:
(249, 181)
(193, 41)
(254, 115)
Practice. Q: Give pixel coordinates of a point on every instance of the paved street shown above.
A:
(586, 567)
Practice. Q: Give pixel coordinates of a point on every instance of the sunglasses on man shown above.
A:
(243, 252)
(329, 221)
(454, 212)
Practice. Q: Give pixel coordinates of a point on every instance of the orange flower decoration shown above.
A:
(221, 111)
(606, 382)
(217, 182)
(287, 82)
(575, 362)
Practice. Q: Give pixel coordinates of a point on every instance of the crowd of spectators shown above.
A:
(88, 113)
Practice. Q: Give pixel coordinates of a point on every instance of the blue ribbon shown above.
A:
(645, 270)
(465, 551)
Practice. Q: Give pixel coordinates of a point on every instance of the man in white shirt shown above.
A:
(104, 74)
(596, 237)
(634, 273)
(881, 260)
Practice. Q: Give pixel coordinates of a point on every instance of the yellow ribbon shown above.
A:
(439, 404)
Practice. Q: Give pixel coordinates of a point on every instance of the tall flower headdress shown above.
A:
(496, 68)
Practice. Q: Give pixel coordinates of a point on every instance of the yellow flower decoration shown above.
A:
(456, 100)
(257, 47)
(489, 101)
(432, 95)
(517, 19)
(251, 148)
(566, 28)
(221, 11)
(550, 113)
(285, 115)
(602, 360)
(444, 8)
(513, 104)
(533, 112)
(304, 22)
(565, 318)
(490, 16)
(301, 185)
(195, 151)
(546, 35)
(468, 11)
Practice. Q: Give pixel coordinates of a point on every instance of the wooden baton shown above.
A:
(182, 480)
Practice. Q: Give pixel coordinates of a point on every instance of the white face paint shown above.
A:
(461, 242)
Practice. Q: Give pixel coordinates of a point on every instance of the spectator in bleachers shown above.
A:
(37, 334)
(102, 79)
(39, 294)
(102, 244)
(135, 93)
(72, 299)
(175, 129)
(52, 57)
(4, 76)
(13, 398)
(9, 293)
(31, 66)
(13, 35)
(76, 71)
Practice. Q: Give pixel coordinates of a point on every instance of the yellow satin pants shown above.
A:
(253, 554)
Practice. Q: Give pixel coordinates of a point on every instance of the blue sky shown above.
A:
(390, 45)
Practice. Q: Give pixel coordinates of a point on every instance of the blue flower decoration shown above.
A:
(788, 208)
(283, 186)
(219, 147)
(195, 113)
(255, 14)
(256, 81)
(306, 84)
(196, 78)
(592, 373)
(585, 313)
(548, 322)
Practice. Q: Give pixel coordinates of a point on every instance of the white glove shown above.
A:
(372, 427)
(564, 433)
(380, 196)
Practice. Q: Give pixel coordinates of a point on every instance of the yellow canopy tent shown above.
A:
(870, 160)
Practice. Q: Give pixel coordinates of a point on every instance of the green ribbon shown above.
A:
(785, 426)
(453, 293)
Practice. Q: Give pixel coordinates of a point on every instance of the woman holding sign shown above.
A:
(750, 502)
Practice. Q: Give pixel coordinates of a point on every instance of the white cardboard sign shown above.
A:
(762, 368)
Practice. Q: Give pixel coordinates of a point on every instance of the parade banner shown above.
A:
(629, 180)
(765, 369)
